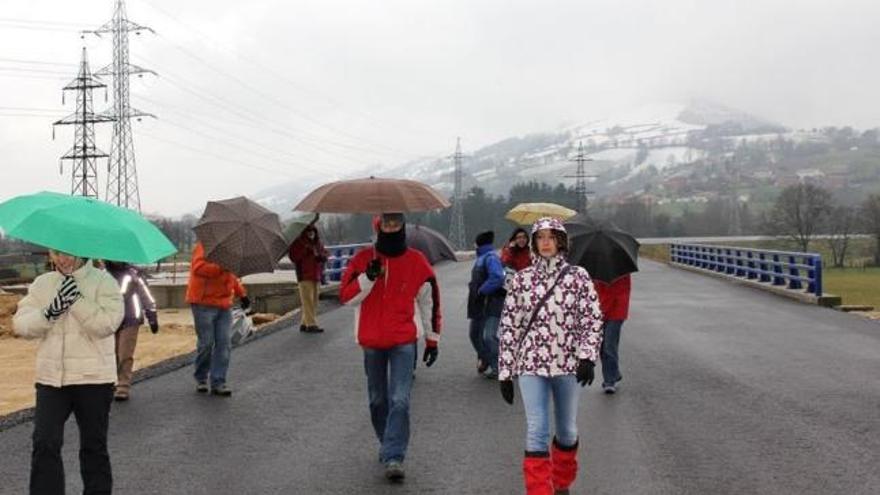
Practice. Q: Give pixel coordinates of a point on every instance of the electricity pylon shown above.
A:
(122, 183)
(456, 225)
(84, 154)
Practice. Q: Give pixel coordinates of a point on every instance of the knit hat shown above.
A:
(487, 237)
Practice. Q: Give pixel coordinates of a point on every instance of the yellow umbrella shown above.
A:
(527, 213)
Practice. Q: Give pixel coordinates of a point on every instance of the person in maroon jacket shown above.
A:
(308, 255)
(614, 301)
(396, 297)
(516, 253)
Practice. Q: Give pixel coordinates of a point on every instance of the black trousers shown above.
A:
(90, 405)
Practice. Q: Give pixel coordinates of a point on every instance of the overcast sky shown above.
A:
(250, 96)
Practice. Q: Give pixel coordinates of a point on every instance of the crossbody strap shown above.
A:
(541, 303)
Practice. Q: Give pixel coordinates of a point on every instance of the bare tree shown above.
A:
(871, 222)
(841, 224)
(799, 212)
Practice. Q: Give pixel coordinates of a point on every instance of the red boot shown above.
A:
(565, 466)
(538, 473)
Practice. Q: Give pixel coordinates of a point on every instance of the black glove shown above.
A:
(430, 355)
(245, 302)
(374, 269)
(507, 390)
(585, 372)
(154, 327)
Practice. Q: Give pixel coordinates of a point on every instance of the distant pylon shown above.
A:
(456, 226)
(581, 176)
(84, 154)
(122, 183)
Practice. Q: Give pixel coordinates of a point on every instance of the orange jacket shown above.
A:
(209, 284)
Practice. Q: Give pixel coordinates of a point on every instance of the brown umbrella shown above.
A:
(373, 195)
(241, 236)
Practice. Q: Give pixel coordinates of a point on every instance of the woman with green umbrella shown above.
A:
(73, 311)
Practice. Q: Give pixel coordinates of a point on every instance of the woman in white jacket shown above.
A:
(74, 311)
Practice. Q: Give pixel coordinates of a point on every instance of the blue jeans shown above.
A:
(610, 343)
(536, 392)
(213, 325)
(476, 335)
(490, 341)
(389, 380)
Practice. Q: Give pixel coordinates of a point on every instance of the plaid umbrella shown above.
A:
(241, 236)
(373, 195)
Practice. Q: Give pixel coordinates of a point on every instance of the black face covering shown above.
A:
(391, 244)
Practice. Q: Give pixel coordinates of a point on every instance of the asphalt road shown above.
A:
(726, 390)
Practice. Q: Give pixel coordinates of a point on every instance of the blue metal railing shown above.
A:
(781, 268)
(338, 260)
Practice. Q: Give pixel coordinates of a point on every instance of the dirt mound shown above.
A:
(8, 304)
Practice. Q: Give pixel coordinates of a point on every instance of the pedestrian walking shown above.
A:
(397, 296)
(139, 303)
(550, 333)
(210, 293)
(516, 254)
(73, 311)
(485, 300)
(308, 254)
(614, 301)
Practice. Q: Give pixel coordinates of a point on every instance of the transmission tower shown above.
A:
(456, 226)
(581, 179)
(122, 183)
(84, 154)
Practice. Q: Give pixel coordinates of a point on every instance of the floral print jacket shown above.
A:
(568, 326)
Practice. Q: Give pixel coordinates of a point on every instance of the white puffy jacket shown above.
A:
(78, 348)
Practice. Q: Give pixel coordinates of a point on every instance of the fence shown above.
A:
(338, 259)
(784, 269)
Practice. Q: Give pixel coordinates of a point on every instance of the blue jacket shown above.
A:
(486, 287)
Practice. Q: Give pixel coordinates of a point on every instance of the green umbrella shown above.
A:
(84, 227)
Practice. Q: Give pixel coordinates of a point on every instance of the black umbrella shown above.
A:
(607, 252)
(431, 243)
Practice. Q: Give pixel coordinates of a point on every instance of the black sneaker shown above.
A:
(303, 328)
(202, 388)
(394, 471)
(316, 329)
(221, 390)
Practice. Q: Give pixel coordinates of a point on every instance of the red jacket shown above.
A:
(308, 256)
(517, 259)
(209, 284)
(614, 298)
(396, 307)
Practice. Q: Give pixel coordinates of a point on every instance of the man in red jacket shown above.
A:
(614, 301)
(396, 297)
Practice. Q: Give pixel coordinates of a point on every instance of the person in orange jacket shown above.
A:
(210, 293)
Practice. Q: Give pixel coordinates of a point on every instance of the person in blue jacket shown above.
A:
(485, 301)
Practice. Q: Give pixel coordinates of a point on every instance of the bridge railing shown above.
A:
(786, 269)
(338, 259)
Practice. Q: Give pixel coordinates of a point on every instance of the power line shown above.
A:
(234, 135)
(269, 70)
(202, 151)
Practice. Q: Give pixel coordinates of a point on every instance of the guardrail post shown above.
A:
(815, 274)
(740, 272)
(794, 281)
(764, 277)
(777, 268)
(752, 274)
